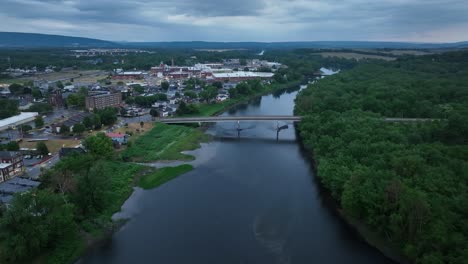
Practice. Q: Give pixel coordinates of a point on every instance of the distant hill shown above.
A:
(294, 45)
(33, 40)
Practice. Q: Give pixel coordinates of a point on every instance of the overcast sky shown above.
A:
(241, 20)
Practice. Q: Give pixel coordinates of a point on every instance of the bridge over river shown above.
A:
(215, 119)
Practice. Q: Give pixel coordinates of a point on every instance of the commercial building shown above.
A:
(241, 76)
(129, 75)
(11, 164)
(17, 120)
(103, 100)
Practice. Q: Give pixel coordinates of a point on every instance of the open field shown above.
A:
(353, 55)
(165, 142)
(89, 76)
(132, 127)
(53, 145)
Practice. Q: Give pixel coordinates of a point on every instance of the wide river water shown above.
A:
(249, 200)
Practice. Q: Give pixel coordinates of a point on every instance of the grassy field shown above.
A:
(353, 55)
(163, 175)
(165, 142)
(136, 129)
(53, 145)
(78, 76)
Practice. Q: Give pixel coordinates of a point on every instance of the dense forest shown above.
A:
(406, 181)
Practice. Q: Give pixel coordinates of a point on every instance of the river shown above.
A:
(249, 200)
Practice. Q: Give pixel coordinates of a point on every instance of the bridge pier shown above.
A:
(279, 128)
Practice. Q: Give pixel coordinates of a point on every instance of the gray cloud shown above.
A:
(241, 20)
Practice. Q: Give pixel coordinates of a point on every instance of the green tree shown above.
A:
(41, 108)
(36, 93)
(79, 128)
(96, 121)
(99, 145)
(92, 189)
(39, 122)
(42, 148)
(87, 122)
(218, 85)
(26, 128)
(12, 146)
(35, 221)
(64, 129)
(138, 88)
(59, 84)
(16, 88)
(154, 112)
(190, 94)
(8, 108)
(76, 99)
(233, 93)
(164, 85)
(108, 115)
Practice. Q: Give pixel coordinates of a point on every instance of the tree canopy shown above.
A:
(405, 181)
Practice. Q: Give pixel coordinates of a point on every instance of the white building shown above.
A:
(17, 120)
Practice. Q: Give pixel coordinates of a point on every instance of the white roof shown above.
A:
(243, 74)
(132, 73)
(15, 120)
(4, 165)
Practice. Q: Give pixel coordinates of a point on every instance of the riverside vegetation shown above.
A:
(405, 182)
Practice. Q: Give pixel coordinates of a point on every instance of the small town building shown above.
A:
(11, 164)
(63, 152)
(22, 118)
(118, 137)
(241, 76)
(103, 100)
(56, 98)
(129, 75)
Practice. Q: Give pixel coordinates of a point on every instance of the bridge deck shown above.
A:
(212, 119)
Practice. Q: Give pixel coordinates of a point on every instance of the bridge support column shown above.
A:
(279, 128)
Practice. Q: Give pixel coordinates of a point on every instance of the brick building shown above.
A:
(103, 100)
(56, 98)
(11, 164)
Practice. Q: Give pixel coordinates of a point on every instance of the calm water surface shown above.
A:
(254, 200)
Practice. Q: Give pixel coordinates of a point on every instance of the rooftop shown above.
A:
(17, 118)
(239, 74)
(115, 135)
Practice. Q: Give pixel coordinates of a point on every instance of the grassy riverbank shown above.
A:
(165, 143)
(163, 175)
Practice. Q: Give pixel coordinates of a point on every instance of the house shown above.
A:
(117, 137)
(70, 122)
(63, 152)
(11, 164)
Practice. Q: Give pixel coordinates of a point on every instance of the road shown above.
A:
(35, 171)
